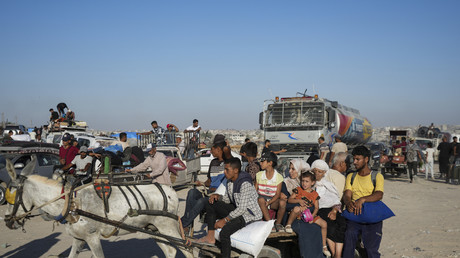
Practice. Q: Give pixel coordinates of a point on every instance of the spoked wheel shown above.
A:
(2, 193)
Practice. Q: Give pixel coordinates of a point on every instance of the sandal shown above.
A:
(273, 229)
(288, 229)
(279, 228)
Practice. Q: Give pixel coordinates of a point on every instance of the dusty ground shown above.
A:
(427, 224)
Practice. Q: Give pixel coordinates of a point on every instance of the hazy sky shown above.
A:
(122, 64)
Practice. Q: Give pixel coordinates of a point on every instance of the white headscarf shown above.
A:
(326, 189)
(300, 166)
(320, 164)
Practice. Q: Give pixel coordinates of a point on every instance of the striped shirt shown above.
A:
(267, 187)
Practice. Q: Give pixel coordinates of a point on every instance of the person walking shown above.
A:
(429, 161)
(454, 154)
(444, 149)
(413, 151)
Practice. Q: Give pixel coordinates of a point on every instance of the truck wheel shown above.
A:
(2, 194)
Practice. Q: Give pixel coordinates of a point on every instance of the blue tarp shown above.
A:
(128, 134)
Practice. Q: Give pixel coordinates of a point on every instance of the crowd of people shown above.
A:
(63, 114)
(311, 197)
(449, 158)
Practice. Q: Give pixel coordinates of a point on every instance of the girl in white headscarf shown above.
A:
(296, 167)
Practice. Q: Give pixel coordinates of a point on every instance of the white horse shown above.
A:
(38, 190)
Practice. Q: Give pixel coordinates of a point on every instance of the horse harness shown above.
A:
(72, 209)
(18, 202)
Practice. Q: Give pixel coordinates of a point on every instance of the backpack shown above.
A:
(373, 177)
(137, 156)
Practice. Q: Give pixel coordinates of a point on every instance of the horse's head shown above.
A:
(14, 194)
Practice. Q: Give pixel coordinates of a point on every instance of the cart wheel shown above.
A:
(266, 252)
(2, 193)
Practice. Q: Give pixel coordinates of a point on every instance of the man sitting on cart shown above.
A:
(157, 162)
(235, 209)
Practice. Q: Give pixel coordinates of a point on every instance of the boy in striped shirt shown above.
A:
(268, 185)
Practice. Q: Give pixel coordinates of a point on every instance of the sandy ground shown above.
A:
(427, 224)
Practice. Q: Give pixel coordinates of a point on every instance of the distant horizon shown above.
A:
(180, 130)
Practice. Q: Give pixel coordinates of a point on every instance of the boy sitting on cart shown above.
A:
(235, 209)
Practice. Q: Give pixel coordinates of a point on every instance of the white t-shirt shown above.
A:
(429, 154)
(192, 128)
(81, 163)
(339, 147)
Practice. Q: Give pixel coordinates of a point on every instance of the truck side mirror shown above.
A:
(331, 116)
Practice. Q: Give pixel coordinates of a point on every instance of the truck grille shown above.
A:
(300, 148)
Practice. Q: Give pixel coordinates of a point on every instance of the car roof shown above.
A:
(29, 147)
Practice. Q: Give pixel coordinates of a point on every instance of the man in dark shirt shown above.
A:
(253, 166)
(54, 115)
(158, 131)
(244, 160)
(453, 157)
(267, 148)
(60, 107)
(444, 153)
(196, 202)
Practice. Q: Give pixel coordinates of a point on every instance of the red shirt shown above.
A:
(68, 154)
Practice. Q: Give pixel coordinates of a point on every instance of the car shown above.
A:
(206, 157)
(83, 139)
(46, 157)
(15, 128)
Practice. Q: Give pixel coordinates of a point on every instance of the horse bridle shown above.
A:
(18, 202)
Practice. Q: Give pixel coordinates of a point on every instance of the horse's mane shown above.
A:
(45, 180)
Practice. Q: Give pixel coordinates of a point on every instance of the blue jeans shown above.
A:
(244, 164)
(371, 235)
(310, 241)
(194, 204)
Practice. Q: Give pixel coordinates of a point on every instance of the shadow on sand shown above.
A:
(122, 248)
(36, 247)
(127, 248)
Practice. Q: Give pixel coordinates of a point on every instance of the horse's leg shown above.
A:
(94, 243)
(77, 245)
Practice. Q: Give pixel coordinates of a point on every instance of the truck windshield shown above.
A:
(294, 114)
